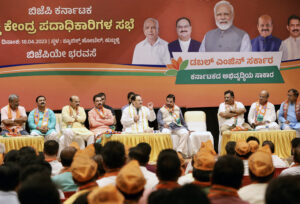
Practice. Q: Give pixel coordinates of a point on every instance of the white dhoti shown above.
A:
(51, 136)
(78, 135)
(180, 138)
(269, 126)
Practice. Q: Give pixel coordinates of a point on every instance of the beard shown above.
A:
(224, 26)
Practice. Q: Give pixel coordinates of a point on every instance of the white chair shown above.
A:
(196, 121)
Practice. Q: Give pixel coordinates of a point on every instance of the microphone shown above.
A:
(137, 111)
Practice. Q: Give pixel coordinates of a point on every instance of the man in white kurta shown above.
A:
(231, 113)
(170, 120)
(135, 117)
(262, 114)
(290, 47)
(153, 50)
(73, 118)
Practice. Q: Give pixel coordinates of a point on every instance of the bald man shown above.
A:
(152, 50)
(262, 114)
(265, 42)
(73, 118)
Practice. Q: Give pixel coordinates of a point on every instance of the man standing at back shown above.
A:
(227, 37)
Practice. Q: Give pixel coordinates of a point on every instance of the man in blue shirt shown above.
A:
(42, 120)
(289, 113)
(265, 42)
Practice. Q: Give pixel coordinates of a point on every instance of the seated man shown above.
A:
(100, 118)
(232, 114)
(13, 118)
(73, 117)
(261, 171)
(277, 161)
(168, 169)
(64, 180)
(265, 42)
(226, 179)
(203, 163)
(129, 98)
(131, 182)
(184, 42)
(42, 120)
(135, 117)
(114, 158)
(103, 97)
(289, 113)
(153, 50)
(262, 114)
(170, 120)
(283, 189)
(137, 153)
(242, 150)
(50, 153)
(295, 168)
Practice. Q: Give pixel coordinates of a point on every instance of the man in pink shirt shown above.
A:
(100, 118)
(13, 118)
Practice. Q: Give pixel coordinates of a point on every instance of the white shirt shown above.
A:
(157, 54)
(231, 121)
(245, 45)
(127, 119)
(278, 163)
(106, 181)
(186, 179)
(184, 45)
(270, 114)
(290, 48)
(295, 170)
(253, 193)
(56, 167)
(9, 197)
(150, 177)
(246, 167)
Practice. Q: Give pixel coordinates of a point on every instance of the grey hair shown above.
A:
(12, 97)
(226, 3)
(154, 20)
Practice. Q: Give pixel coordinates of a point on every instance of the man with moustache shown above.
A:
(73, 129)
(184, 42)
(135, 117)
(153, 50)
(42, 120)
(266, 42)
(227, 37)
(100, 118)
(290, 47)
(170, 120)
(289, 112)
(13, 118)
(262, 114)
(231, 113)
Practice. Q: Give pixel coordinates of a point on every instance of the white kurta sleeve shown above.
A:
(246, 44)
(151, 115)
(126, 119)
(251, 114)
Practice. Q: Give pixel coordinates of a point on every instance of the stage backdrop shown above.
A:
(60, 48)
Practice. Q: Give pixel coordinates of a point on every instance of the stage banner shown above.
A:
(226, 67)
